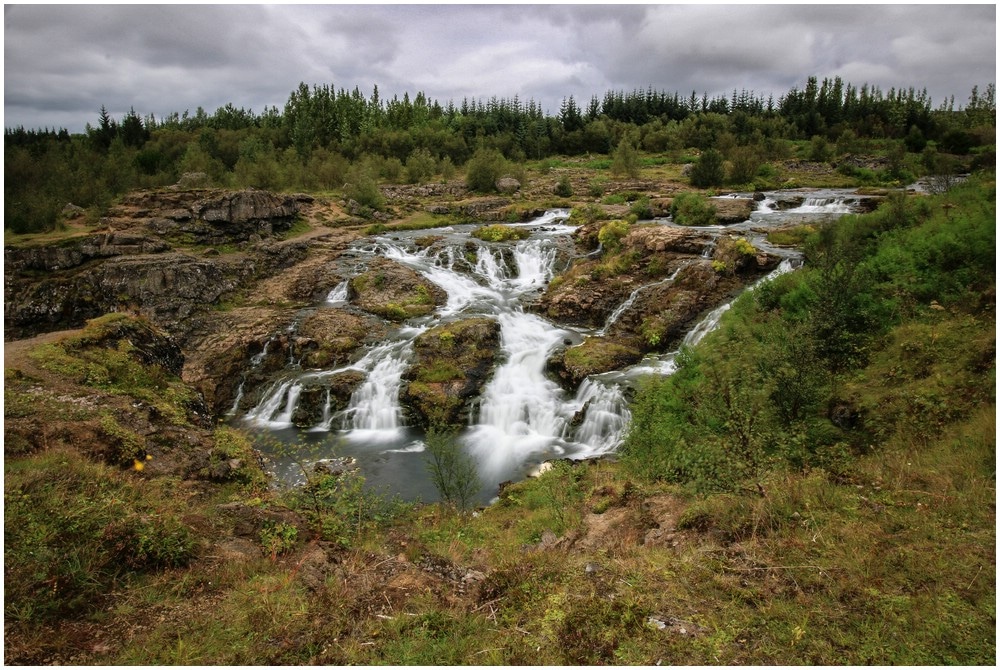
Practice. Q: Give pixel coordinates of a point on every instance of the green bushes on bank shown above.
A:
(803, 365)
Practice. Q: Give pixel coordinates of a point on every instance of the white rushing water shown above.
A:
(521, 417)
(338, 295)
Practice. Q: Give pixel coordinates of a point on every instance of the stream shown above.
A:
(522, 417)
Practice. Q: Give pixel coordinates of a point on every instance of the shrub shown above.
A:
(709, 170)
(564, 189)
(597, 187)
(626, 160)
(691, 209)
(500, 233)
(611, 235)
(364, 190)
(419, 166)
(484, 169)
(744, 162)
(641, 208)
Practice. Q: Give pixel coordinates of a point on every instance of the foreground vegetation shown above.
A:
(816, 484)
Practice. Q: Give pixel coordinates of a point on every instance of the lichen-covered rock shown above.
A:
(329, 336)
(508, 185)
(451, 364)
(394, 291)
(659, 239)
(733, 210)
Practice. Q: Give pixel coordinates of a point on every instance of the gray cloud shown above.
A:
(63, 62)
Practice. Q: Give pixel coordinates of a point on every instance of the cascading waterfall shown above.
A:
(374, 406)
(820, 205)
(606, 416)
(667, 363)
(276, 408)
(338, 294)
(521, 416)
(521, 413)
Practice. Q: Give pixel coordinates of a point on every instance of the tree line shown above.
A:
(324, 136)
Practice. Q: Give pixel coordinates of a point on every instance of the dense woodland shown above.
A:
(325, 138)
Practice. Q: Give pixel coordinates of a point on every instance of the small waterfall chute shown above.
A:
(338, 294)
(276, 407)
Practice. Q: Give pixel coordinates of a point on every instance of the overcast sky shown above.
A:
(61, 63)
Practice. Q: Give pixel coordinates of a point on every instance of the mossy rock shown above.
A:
(594, 356)
(394, 292)
(451, 364)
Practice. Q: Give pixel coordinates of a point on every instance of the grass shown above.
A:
(884, 556)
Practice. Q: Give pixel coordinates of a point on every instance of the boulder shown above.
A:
(451, 364)
(508, 185)
(594, 356)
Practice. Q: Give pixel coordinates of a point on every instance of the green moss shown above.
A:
(790, 237)
(500, 233)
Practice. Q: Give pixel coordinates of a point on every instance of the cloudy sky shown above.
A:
(61, 63)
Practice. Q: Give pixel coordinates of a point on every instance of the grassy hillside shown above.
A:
(816, 485)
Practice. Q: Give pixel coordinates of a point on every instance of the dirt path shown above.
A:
(15, 356)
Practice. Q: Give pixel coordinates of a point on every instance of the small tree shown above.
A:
(744, 163)
(709, 170)
(452, 470)
(484, 169)
(626, 160)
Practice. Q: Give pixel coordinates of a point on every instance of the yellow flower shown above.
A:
(138, 465)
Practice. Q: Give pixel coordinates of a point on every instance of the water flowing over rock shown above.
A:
(368, 340)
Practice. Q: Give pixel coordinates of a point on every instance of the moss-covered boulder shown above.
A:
(394, 292)
(451, 364)
(594, 356)
(329, 336)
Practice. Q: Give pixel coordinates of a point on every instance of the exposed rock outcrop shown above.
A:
(133, 264)
(394, 291)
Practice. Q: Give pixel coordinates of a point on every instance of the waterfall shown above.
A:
(667, 363)
(236, 403)
(521, 416)
(823, 205)
(277, 406)
(606, 416)
(521, 412)
(622, 308)
(374, 406)
(338, 294)
(535, 265)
